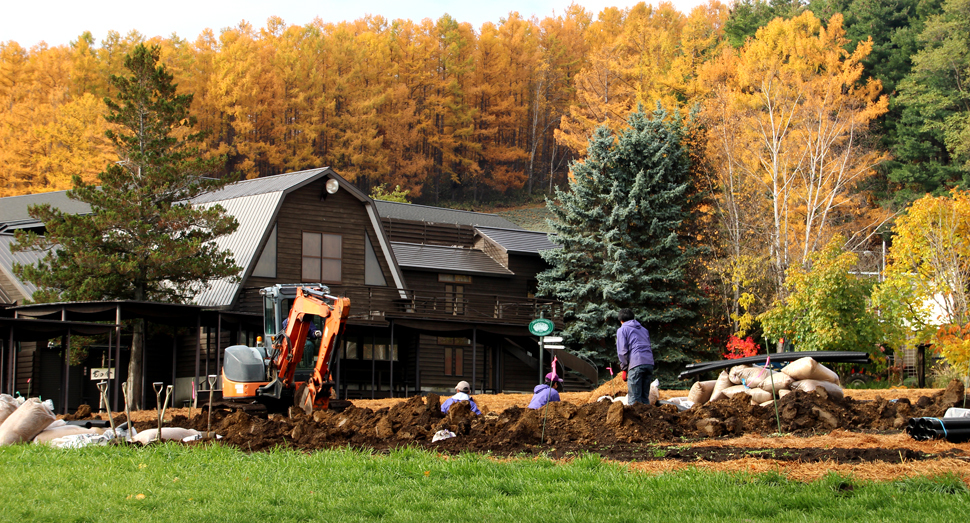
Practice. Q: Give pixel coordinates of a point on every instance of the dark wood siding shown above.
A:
(302, 210)
(429, 233)
(525, 268)
(26, 357)
(432, 356)
(428, 281)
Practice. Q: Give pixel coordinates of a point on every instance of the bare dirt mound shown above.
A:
(711, 433)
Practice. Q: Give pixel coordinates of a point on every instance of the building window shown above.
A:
(364, 349)
(266, 266)
(454, 361)
(454, 278)
(380, 351)
(350, 350)
(322, 256)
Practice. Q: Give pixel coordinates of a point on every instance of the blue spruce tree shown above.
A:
(618, 225)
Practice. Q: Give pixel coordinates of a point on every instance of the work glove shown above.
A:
(623, 375)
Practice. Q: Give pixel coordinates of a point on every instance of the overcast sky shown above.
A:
(57, 22)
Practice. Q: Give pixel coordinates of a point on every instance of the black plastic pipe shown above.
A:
(954, 430)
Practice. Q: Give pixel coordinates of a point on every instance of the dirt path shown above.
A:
(860, 434)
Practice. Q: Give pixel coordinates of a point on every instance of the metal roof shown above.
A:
(264, 185)
(424, 213)
(447, 259)
(254, 203)
(14, 208)
(8, 258)
(519, 241)
(255, 215)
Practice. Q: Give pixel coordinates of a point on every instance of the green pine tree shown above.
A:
(618, 224)
(143, 240)
(933, 134)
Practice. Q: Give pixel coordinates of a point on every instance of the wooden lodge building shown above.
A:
(437, 296)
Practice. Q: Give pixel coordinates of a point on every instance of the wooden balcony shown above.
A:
(377, 304)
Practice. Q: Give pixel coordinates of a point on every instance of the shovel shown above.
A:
(103, 387)
(131, 424)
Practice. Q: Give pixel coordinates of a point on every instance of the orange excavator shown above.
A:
(292, 365)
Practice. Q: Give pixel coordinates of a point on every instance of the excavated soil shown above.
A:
(817, 432)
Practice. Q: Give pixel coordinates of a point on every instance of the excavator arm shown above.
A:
(315, 394)
(289, 347)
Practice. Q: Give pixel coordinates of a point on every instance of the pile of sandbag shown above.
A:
(24, 423)
(33, 420)
(763, 385)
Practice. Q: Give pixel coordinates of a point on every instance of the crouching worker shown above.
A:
(548, 391)
(463, 390)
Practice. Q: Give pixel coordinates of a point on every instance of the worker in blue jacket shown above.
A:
(636, 356)
(463, 390)
(546, 392)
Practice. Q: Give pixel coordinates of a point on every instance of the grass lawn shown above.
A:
(195, 484)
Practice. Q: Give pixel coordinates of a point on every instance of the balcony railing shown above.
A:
(379, 303)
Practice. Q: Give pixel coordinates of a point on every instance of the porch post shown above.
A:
(391, 350)
(218, 342)
(117, 367)
(66, 345)
(175, 338)
(474, 357)
(198, 349)
(373, 363)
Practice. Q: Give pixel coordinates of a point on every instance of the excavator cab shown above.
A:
(277, 302)
(290, 364)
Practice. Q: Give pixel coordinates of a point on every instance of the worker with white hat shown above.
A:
(463, 390)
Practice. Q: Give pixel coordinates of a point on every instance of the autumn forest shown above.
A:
(807, 121)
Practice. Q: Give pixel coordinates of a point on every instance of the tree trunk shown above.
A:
(136, 366)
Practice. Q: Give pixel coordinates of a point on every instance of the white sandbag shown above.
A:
(733, 391)
(784, 392)
(833, 390)
(56, 423)
(26, 422)
(7, 406)
(52, 433)
(654, 393)
(723, 382)
(759, 396)
(809, 369)
(438, 436)
(780, 380)
(956, 412)
(682, 401)
(77, 441)
(823, 373)
(168, 433)
(741, 374)
(701, 391)
(622, 399)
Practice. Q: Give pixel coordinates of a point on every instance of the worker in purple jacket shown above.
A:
(463, 391)
(636, 357)
(546, 392)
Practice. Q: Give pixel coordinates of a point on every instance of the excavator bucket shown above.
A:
(304, 399)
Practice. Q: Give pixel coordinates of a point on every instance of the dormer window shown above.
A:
(322, 257)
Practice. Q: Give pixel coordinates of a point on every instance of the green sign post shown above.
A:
(541, 327)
